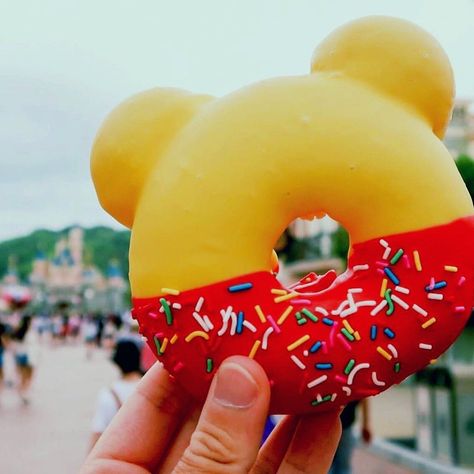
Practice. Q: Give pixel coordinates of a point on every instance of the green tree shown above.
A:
(340, 243)
(465, 166)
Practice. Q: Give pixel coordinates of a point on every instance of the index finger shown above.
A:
(142, 429)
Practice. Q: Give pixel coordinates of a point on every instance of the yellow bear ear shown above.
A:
(130, 142)
(398, 59)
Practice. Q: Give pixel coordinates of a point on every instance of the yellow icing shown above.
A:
(207, 185)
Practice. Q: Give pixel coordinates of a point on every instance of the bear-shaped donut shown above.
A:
(208, 184)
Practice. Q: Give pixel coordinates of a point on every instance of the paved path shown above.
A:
(50, 435)
(366, 463)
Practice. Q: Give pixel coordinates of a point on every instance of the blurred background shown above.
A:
(64, 294)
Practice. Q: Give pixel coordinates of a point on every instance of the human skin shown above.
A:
(160, 429)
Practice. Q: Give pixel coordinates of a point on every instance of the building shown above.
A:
(459, 137)
(67, 281)
(12, 292)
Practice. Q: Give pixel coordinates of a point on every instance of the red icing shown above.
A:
(447, 245)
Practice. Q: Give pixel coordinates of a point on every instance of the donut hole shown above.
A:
(312, 245)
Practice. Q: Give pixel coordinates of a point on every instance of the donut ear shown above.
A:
(397, 58)
(131, 140)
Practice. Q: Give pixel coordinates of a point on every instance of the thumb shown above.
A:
(229, 431)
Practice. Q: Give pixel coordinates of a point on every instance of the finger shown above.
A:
(272, 452)
(181, 442)
(230, 428)
(313, 445)
(145, 424)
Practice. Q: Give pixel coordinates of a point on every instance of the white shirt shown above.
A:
(107, 405)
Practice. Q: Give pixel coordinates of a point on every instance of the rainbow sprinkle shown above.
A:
(169, 291)
(278, 291)
(310, 315)
(323, 366)
(346, 324)
(297, 362)
(416, 258)
(393, 278)
(420, 310)
(328, 321)
(157, 344)
(317, 381)
(164, 345)
(426, 347)
(347, 334)
(388, 299)
(384, 353)
(451, 268)
(254, 349)
(266, 334)
(428, 323)
(300, 320)
(167, 310)
(282, 298)
(436, 286)
(397, 256)
(346, 345)
(177, 367)
(315, 347)
(240, 287)
(194, 334)
(259, 311)
(284, 315)
(317, 401)
(349, 366)
(273, 324)
(298, 342)
(240, 322)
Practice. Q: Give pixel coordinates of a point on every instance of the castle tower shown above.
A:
(76, 244)
(59, 247)
(115, 287)
(39, 274)
(114, 275)
(76, 248)
(11, 277)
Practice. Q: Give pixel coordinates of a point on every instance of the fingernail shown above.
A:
(235, 387)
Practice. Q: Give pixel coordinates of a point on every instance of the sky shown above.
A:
(65, 64)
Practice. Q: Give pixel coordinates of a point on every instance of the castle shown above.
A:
(66, 281)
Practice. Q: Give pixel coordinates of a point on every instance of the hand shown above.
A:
(159, 429)
(366, 435)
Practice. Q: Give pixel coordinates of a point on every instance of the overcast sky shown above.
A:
(64, 64)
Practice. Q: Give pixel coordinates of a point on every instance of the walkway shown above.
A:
(50, 435)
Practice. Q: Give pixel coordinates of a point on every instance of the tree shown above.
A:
(340, 243)
(465, 165)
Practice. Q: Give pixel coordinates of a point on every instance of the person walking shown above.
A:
(24, 366)
(126, 357)
(343, 457)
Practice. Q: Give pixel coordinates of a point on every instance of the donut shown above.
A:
(208, 184)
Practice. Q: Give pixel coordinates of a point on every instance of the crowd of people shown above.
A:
(21, 333)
